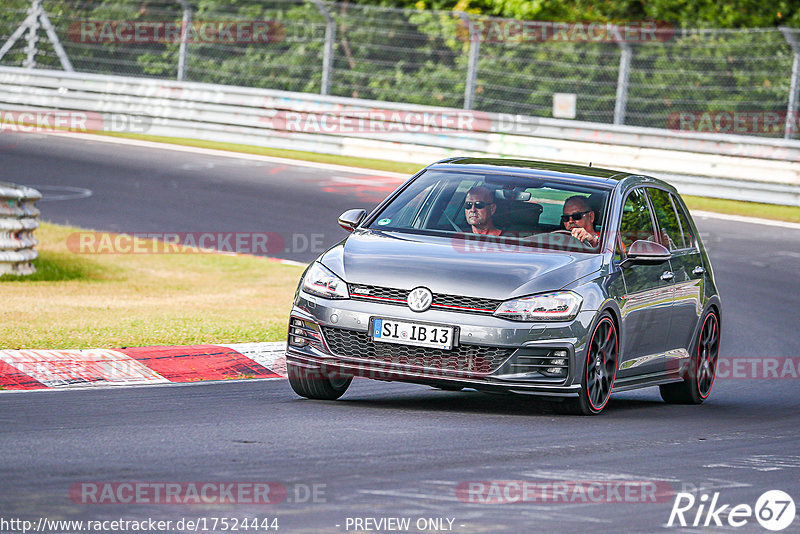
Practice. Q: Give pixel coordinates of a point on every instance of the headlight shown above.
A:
(320, 281)
(558, 306)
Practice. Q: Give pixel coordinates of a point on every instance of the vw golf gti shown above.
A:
(508, 276)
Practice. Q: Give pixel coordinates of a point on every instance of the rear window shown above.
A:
(686, 228)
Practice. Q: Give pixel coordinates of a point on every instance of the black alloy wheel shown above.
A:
(599, 372)
(696, 387)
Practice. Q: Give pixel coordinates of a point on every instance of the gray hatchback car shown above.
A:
(511, 276)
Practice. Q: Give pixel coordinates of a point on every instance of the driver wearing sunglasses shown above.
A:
(479, 208)
(578, 218)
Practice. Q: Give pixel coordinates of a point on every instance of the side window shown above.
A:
(688, 233)
(636, 221)
(670, 235)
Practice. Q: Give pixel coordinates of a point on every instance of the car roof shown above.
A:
(544, 169)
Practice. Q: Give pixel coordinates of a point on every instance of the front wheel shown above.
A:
(599, 373)
(696, 387)
(312, 384)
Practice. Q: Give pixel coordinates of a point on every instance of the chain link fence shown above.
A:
(628, 73)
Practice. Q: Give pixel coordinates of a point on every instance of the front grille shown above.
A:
(362, 292)
(465, 304)
(482, 359)
(441, 301)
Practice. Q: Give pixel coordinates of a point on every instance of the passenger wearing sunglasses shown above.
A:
(479, 208)
(578, 218)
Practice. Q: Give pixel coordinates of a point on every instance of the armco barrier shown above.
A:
(717, 165)
(18, 220)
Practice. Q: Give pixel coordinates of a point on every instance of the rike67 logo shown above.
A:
(774, 510)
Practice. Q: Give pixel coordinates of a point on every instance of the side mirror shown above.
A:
(351, 218)
(646, 253)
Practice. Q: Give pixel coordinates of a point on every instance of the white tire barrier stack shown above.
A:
(18, 220)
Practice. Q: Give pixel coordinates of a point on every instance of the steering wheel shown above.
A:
(569, 233)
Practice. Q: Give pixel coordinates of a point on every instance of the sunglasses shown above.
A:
(577, 216)
(478, 205)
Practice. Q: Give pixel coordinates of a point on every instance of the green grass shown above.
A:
(60, 266)
(731, 207)
(746, 209)
(123, 300)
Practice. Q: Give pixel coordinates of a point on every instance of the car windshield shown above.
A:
(522, 212)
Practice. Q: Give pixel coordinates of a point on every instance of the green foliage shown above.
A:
(682, 13)
(419, 55)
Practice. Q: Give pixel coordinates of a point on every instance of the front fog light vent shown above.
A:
(303, 332)
(548, 363)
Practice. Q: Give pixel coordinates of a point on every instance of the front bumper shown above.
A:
(492, 354)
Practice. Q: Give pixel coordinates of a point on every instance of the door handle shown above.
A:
(667, 276)
(697, 271)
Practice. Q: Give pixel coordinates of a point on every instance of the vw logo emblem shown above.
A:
(419, 299)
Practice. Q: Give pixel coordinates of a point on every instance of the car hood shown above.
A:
(454, 266)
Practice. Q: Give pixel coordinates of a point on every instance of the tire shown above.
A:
(312, 384)
(599, 372)
(696, 387)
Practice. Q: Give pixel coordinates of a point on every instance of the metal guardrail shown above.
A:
(717, 165)
(18, 220)
(633, 72)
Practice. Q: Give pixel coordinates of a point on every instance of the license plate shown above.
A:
(418, 334)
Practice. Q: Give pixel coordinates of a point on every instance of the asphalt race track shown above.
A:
(140, 190)
(390, 450)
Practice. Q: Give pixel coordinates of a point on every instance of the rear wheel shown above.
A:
(599, 373)
(312, 384)
(696, 387)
